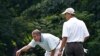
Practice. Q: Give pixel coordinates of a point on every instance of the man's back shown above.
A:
(75, 29)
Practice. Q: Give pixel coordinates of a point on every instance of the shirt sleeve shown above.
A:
(32, 43)
(86, 33)
(52, 41)
(65, 30)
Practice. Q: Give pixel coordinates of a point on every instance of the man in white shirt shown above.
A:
(74, 33)
(47, 41)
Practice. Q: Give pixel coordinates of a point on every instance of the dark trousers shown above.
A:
(74, 49)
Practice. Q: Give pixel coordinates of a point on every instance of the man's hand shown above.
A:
(18, 53)
(60, 53)
(23, 49)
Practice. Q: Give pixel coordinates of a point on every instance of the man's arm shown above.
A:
(86, 33)
(23, 49)
(62, 45)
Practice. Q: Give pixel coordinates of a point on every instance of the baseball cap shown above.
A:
(69, 10)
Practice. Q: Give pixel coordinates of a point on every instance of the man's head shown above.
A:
(69, 12)
(36, 34)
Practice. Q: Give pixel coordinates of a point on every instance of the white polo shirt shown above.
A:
(48, 42)
(75, 30)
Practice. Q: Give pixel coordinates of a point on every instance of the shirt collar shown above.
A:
(41, 38)
(71, 19)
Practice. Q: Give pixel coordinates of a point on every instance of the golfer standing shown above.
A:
(47, 41)
(74, 33)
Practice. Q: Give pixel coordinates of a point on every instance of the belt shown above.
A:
(56, 46)
(74, 42)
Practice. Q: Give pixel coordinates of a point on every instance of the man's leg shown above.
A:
(57, 49)
(68, 51)
(64, 53)
(47, 53)
(78, 50)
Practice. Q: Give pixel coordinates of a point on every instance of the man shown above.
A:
(47, 41)
(74, 33)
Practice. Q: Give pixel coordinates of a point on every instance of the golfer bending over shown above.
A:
(47, 41)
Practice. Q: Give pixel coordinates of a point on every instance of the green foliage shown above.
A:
(19, 17)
